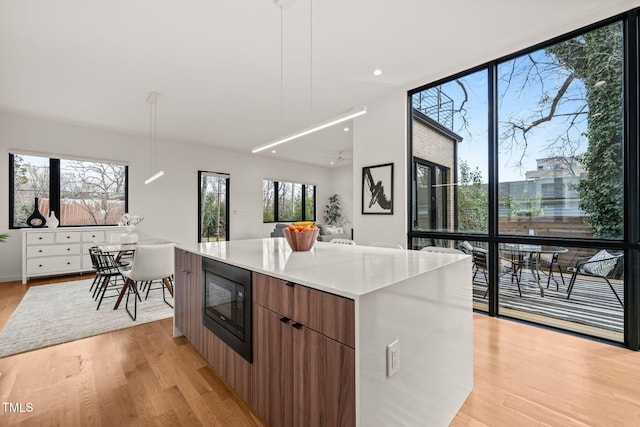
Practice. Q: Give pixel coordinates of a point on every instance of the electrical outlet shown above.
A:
(393, 358)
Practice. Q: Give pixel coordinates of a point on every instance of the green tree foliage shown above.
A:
(527, 206)
(213, 214)
(596, 59)
(473, 200)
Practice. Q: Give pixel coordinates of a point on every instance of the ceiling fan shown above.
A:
(339, 159)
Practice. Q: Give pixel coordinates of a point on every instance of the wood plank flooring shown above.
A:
(524, 376)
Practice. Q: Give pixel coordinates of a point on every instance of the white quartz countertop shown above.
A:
(347, 270)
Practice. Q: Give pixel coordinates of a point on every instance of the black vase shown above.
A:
(36, 219)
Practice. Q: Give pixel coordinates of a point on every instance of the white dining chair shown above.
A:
(151, 263)
(391, 245)
(441, 249)
(341, 241)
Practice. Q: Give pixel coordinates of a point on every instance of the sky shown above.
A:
(517, 101)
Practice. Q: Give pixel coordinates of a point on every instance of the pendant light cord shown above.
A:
(281, 68)
(151, 135)
(311, 61)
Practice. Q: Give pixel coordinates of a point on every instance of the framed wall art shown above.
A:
(377, 189)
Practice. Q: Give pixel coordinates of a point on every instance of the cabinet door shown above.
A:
(188, 294)
(331, 315)
(271, 389)
(274, 294)
(324, 389)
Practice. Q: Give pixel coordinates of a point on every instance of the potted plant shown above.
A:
(333, 211)
(3, 237)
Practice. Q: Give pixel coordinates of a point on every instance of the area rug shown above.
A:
(63, 312)
(592, 302)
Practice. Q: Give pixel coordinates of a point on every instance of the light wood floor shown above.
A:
(524, 376)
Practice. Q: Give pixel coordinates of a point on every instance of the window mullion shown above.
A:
(54, 187)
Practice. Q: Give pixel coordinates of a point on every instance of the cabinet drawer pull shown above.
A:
(297, 325)
(39, 265)
(39, 238)
(68, 263)
(185, 271)
(68, 237)
(68, 249)
(284, 319)
(290, 284)
(39, 250)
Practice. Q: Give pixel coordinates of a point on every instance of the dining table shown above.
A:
(527, 254)
(119, 250)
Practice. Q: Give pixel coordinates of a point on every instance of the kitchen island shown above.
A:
(342, 335)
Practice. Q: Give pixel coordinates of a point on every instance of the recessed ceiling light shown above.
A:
(377, 72)
(274, 151)
(331, 163)
(346, 129)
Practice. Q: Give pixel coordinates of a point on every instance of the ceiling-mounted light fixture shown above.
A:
(152, 100)
(314, 128)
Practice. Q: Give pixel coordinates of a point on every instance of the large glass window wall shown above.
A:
(537, 156)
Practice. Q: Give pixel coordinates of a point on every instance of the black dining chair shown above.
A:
(108, 274)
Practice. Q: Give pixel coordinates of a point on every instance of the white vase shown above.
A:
(52, 221)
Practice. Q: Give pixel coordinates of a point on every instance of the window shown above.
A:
(449, 143)
(80, 192)
(431, 207)
(561, 121)
(288, 201)
(536, 142)
(213, 202)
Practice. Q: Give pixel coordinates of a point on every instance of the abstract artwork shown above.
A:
(377, 189)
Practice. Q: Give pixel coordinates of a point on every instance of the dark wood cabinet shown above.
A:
(272, 385)
(323, 381)
(188, 319)
(304, 357)
(188, 294)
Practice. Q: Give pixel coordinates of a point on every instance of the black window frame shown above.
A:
(227, 201)
(276, 212)
(417, 161)
(629, 243)
(54, 187)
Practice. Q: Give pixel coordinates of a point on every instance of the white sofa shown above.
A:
(327, 233)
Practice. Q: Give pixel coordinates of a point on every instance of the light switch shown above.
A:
(393, 358)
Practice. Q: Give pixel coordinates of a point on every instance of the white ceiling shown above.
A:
(217, 65)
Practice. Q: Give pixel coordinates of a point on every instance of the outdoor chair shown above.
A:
(480, 263)
(551, 261)
(603, 265)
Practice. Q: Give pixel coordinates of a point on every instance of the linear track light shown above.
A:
(304, 132)
(154, 177)
(152, 100)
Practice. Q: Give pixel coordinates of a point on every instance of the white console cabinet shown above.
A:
(51, 251)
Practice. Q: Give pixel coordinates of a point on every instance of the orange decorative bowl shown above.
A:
(301, 240)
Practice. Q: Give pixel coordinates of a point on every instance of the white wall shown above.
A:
(169, 204)
(380, 137)
(341, 180)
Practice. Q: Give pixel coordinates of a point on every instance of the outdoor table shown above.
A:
(518, 252)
